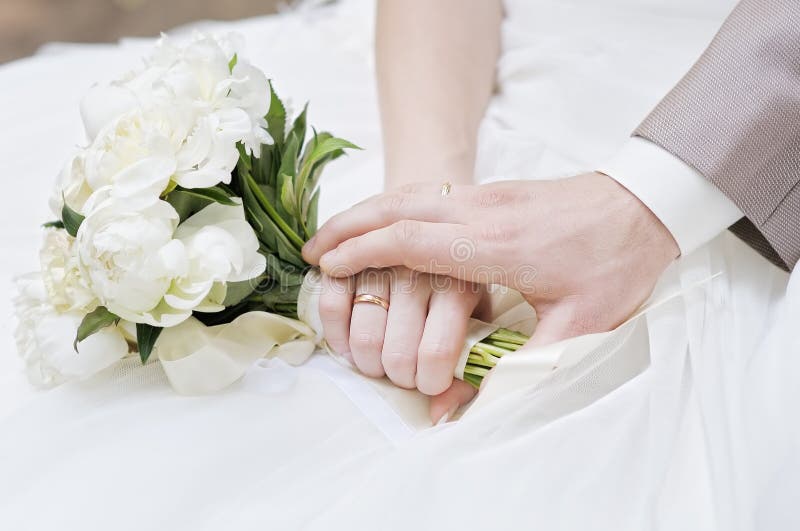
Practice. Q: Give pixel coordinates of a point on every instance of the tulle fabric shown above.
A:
(685, 418)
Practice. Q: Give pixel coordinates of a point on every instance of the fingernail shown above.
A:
(447, 416)
(452, 412)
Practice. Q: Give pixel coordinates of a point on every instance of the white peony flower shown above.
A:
(144, 270)
(61, 276)
(134, 157)
(45, 337)
(177, 119)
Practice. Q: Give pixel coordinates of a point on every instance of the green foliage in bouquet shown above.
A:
(279, 191)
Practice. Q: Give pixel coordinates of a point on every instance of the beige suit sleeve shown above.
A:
(735, 117)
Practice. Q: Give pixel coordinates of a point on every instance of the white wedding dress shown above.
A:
(687, 417)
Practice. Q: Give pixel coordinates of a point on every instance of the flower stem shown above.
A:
(485, 354)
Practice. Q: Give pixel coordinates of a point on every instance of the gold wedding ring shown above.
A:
(446, 187)
(372, 299)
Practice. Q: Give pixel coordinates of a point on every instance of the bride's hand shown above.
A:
(416, 342)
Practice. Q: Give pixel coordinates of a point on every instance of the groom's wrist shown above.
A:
(690, 207)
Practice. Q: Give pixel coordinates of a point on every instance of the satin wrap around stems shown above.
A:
(200, 359)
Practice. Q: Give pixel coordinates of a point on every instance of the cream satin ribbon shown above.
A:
(529, 366)
(199, 359)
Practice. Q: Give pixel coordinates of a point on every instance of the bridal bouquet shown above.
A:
(180, 226)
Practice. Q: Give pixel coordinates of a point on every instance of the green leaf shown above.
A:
(288, 200)
(238, 291)
(276, 117)
(311, 218)
(289, 253)
(93, 322)
(319, 150)
(285, 274)
(71, 220)
(262, 167)
(267, 230)
(186, 204)
(289, 159)
(329, 145)
(215, 194)
(146, 336)
(269, 208)
(253, 220)
(232, 63)
(299, 126)
(53, 225)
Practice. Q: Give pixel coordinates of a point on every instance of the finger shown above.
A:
(368, 323)
(436, 248)
(422, 202)
(567, 319)
(444, 335)
(406, 321)
(335, 309)
(444, 406)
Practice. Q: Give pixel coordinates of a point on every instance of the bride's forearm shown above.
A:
(436, 65)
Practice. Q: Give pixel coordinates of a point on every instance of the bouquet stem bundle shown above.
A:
(485, 354)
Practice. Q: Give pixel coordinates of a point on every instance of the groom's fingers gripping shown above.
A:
(436, 248)
(417, 202)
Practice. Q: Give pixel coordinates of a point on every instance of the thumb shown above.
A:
(443, 406)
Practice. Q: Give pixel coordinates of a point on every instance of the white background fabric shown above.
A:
(684, 419)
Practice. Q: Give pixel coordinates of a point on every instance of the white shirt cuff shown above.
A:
(692, 209)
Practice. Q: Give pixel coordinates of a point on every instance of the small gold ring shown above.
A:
(372, 299)
(446, 187)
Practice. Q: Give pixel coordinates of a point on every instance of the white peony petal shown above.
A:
(98, 351)
(185, 295)
(145, 179)
(103, 104)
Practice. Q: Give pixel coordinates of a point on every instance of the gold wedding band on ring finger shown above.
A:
(446, 188)
(372, 299)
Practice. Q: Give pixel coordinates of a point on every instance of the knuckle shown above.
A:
(391, 203)
(400, 366)
(348, 246)
(436, 352)
(493, 197)
(499, 232)
(332, 308)
(406, 231)
(411, 188)
(365, 342)
(588, 319)
(334, 224)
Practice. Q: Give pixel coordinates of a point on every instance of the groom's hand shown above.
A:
(583, 251)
